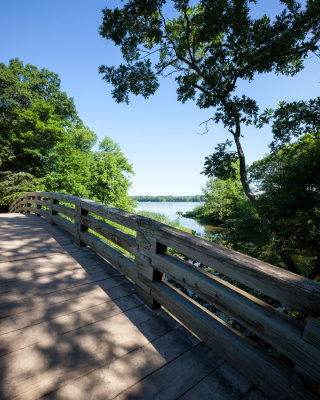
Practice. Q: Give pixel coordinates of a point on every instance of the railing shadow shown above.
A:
(71, 332)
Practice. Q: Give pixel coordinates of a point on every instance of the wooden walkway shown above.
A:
(72, 328)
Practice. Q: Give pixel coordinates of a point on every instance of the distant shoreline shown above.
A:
(159, 199)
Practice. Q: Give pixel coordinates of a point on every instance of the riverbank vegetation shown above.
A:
(288, 183)
(45, 146)
(212, 49)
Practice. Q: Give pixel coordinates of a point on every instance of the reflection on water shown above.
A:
(169, 209)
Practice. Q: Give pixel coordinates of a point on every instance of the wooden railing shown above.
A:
(147, 262)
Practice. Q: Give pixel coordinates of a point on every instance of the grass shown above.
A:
(164, 220)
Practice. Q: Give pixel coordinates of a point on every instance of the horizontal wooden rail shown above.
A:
(64, 210)
(144, 258)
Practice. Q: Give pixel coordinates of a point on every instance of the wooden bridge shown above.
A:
(72, 326)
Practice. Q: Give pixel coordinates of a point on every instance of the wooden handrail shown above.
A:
(144, 259)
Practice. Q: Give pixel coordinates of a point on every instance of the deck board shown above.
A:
(72, 328)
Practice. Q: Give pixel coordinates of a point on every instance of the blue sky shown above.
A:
(159, 136)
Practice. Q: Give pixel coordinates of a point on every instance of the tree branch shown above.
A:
(188, 30)
(206, 124)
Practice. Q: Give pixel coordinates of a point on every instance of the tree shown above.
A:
(44, 145)
(109, 176)
(210, 47)
(34, 116)
(289, 180)
(221, 196)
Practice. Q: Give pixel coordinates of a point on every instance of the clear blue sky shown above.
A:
(159, 136)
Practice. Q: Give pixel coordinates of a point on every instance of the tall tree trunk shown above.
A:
(285, 256)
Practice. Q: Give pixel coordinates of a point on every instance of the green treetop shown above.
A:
(45, 146)
(209, 47)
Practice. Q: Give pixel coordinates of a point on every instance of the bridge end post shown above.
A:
(145, 273)
(52, 212)
(78, 226)
(38, 206)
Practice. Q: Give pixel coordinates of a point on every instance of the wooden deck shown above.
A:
(72, 328)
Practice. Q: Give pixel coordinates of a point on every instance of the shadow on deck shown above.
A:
(72, 328)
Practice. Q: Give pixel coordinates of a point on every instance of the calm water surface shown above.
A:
(170, 208)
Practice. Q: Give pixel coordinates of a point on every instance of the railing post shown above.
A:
(24, 203)
(17, 207)
(303, 382)
(38, 206)
(28, 204)
(52, 201)
(78, 226)
(144, 271)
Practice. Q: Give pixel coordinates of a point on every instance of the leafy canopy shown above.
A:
(44, 145)
(209, 47)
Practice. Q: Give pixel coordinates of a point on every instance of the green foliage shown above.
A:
(210, 47)
(33, 116)
(222, 163)
(163, 219)
(109, 175)
(12, 185)
(291, 120)
(45, 146)
(289, 181)
(160, 218)
(220, 196)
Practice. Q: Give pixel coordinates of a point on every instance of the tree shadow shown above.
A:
(72, 327)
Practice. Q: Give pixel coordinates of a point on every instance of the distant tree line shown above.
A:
(195, 198)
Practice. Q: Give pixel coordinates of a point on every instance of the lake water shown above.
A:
(170, 208)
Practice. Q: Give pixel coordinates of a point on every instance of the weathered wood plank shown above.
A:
(69, 321)
(127, 242)
(44, 203)
(66, 198)
(48, 284)
(43, 213)
(271, 325)
(242, 354)
(19, 305)
(76, 353)
(44, 312)
(174, 379)
(64, 223)
(291, 289)
(121, 217)
(305, 384)
(56, 281)
(27, 270)
(311, 333)
(142, 265)
(224, 382)
(120, 261)
(29, 209)
(78, 225)
(61, 209)
(108, 381)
